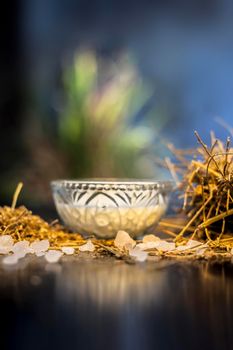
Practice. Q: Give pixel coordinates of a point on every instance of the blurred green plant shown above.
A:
(97, 131)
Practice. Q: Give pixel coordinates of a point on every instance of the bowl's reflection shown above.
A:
(104, 304)
(110, 284)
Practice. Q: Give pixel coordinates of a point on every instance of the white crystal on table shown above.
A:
(10, 259)
(165, 246)
(181, 248)
(52, 256)
(40, 246)
(68, 250)
(191, 244)
(87, 247)
(21, 248)
(20, 245)
(148, 245)
(138, 254)
(6, 244)
(150, 238)
(123, 240)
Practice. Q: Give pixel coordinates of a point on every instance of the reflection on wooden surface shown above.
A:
(110, 284)
(109, 304)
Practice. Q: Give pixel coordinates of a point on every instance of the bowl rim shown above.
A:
(165, 184)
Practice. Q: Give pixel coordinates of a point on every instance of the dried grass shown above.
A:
(206, 190)
(21, 224)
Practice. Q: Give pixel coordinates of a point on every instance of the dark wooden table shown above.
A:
(83, 303)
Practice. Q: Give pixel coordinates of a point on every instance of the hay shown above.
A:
(21, 224)
(206, 190)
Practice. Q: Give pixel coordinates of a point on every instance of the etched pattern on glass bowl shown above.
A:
(103, 207)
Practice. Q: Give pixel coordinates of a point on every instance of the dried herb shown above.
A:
(21, 224)
(206, 190)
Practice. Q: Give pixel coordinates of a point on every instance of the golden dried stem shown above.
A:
(203, 166)
(207, 151)
(16, 195)
(215, 219)
(193, 218)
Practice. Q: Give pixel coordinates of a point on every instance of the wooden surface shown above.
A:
(81, 303)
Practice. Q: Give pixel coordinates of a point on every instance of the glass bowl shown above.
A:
(103, 207)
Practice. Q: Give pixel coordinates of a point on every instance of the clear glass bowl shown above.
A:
(105, 206)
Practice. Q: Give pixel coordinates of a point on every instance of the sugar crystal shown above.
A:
(21, 248)
(87, 247)
(148, 245)
(165, 246)
(138, 254)
(150, 238)
(123, 240)
(68, 250)
(52, 256)
(6, 243)
(40, 246)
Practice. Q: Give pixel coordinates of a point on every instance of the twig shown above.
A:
(16, 195)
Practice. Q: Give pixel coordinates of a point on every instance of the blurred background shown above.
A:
(97, 89)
